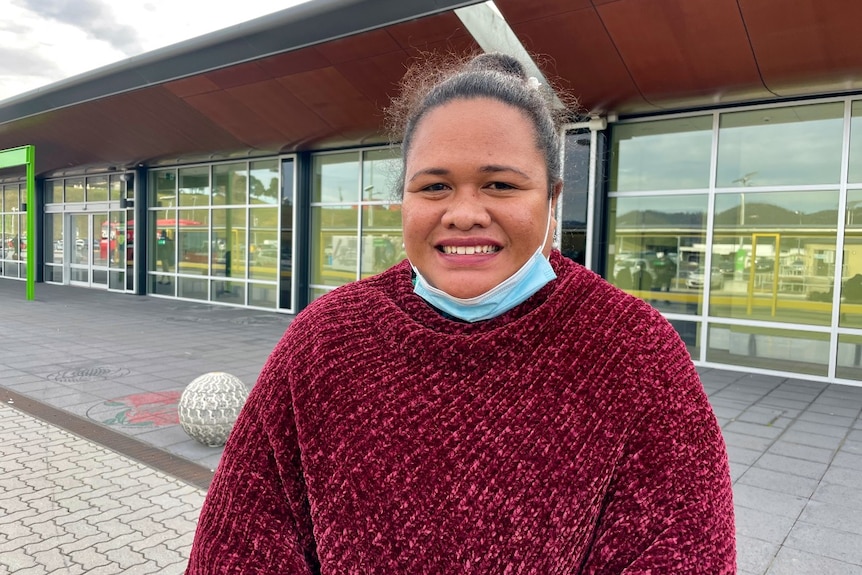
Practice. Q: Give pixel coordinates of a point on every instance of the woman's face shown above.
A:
(475, 205)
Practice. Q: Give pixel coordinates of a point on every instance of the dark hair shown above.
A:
(496, 76)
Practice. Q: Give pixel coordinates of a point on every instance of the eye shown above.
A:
(438, 187)
(500, 186)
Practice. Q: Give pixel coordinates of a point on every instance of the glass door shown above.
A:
(88, 256)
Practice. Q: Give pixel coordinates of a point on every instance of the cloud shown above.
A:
(24, 62)
(93, 17)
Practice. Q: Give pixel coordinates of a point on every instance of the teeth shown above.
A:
(468, 250)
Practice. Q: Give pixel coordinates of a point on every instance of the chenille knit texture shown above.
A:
(570, 435)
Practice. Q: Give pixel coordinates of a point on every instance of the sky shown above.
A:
(44, 41)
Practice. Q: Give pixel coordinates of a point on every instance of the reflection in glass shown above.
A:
(689, 332)
(229, 184)
(194, 186)
(661, 155)
(381, 238)
(264, 185)
(118, 186)
(75, 190)
(163, 189)
(854, 175)
(775, 252)
(793, 146)
(336, 178)
(97, 189)
(765, 348)
(849, 360)
(53, 238)
(53, 192)
(656, 242)
(576, 179)
(193, 242)
(263, 248)
(115, 243)
(262, 295)
(334, 252)
(228, 252)
(851, 272)
(379, 175)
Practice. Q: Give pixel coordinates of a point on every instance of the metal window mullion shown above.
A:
(710, 231)
(839, 239)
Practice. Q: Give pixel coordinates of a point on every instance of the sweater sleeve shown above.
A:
(669, 508)
(255, 519)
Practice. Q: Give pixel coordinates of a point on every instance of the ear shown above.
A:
(555, 194)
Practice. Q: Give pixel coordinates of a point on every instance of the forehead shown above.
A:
(464, 126)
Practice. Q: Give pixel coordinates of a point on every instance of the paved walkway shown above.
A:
(97, 476)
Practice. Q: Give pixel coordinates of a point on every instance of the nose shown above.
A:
(466, 210)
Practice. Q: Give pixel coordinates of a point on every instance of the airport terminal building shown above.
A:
(714, 169)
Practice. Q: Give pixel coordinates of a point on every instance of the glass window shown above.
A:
(264, 184)
(656, 242)
(53, 192)
(380, 174)
(851, 272)
(576, 179)
(118, 186)
(381, 238)
(75, 190)
(792, 146)
(164, 189)
(194, 186)
(854, 175)
(53, 238)
(229, 242)
(765, 348)
(334, 235)
(193, 242)
(97, 189)
(229, 184)
(661, 155)
(849, 364)
(775, 252)
(336, 178)
(263, 247)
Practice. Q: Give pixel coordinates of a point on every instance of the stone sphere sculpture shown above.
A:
(209, 406)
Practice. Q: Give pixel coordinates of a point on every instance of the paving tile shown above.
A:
(763, 525)
(769, 501)
(791, 465)
(831, 543)
(847, 495)
(838, 516)
(754, 555)
(790, 561)
(781, 482)
(799, 451)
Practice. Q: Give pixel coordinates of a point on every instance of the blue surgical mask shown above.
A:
(516, 289)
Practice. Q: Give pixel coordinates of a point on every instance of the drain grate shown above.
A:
(83, 374)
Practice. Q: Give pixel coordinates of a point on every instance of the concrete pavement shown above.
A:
(98, 476)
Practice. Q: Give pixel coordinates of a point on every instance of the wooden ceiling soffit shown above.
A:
(358, 46)
(238, 117)
(813, 47)
(683, 48)
(577, 54)
(333, 99)
(291, 118)
(519, 12)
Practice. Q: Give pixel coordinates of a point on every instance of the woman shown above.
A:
(486, 406)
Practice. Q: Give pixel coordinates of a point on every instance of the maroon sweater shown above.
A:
(570, 435)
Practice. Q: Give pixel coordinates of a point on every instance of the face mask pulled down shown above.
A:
(516, 289)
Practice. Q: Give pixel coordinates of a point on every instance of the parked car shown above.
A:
(696, 279)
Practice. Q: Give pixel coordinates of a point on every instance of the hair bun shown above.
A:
(498, 62)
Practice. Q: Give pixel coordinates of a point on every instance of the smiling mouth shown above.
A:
(468, 250)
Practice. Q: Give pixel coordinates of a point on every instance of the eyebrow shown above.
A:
(488, 169)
